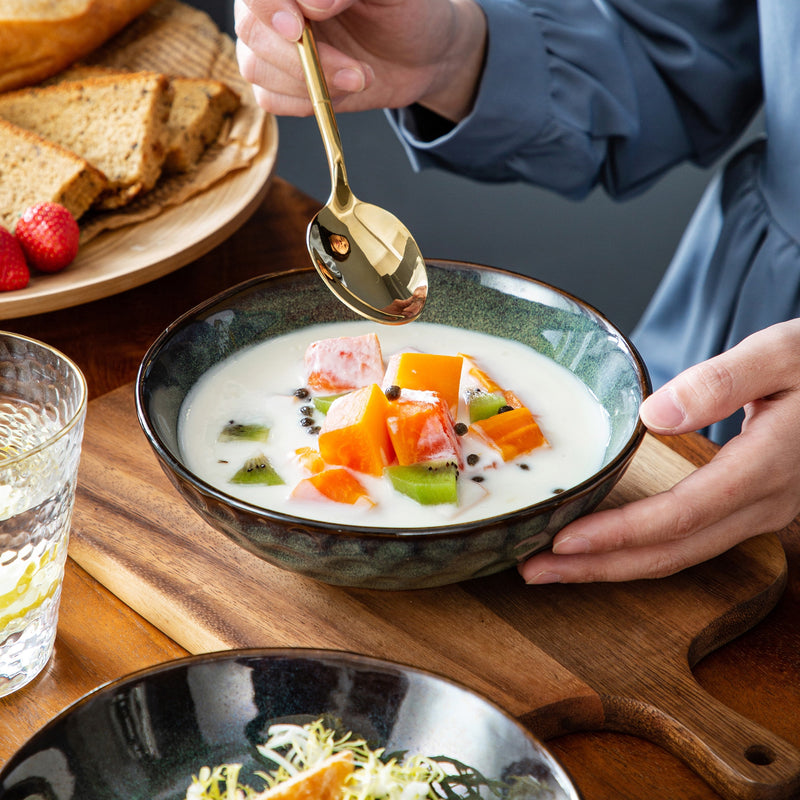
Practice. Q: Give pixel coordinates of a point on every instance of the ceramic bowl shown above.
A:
(146, 735)
(461, 295)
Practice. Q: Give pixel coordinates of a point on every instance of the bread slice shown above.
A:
(33, 170)
(118, 123)
(199, 109)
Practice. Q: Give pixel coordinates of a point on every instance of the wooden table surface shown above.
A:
(100, 638)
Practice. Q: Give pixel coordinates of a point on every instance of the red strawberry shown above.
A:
(14, 272)
(49, 236)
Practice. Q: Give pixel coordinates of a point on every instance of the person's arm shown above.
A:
(576, 92)
(565, 94)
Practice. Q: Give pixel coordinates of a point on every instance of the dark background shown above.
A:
(608, 253)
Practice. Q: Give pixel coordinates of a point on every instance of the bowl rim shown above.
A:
(625, 453)
(345, 657)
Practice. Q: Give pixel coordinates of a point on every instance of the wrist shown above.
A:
(455, 88)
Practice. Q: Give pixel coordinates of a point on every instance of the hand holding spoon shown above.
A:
(365, 255)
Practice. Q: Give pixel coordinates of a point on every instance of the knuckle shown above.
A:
(249, 70)
(711, 380)
(788, 333)
(243, 23)
(667, 563)
(264, 99)
(781, 509)
(685, 522)
(246, 60)
(673, 518)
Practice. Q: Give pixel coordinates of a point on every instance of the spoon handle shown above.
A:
(323, 108)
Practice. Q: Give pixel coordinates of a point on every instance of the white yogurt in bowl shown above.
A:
(257, 385)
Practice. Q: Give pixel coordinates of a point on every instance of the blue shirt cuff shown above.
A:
(503, 116)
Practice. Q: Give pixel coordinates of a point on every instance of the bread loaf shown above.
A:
(33, 169)
(199, 109)
(118, 123)
(40, 37)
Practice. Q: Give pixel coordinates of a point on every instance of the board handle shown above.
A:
(736, 756)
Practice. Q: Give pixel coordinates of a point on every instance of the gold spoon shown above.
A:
(365, 255)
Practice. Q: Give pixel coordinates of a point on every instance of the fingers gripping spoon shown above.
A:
(364, 254)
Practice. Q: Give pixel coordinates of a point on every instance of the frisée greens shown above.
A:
(294, 749)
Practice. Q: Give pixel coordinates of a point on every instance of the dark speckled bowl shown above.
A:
(145, 736)
(462, 295)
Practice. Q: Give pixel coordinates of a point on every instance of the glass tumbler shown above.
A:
(42, 411)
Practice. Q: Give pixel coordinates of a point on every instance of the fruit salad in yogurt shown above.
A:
(414, 428)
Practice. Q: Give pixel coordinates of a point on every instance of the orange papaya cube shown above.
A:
(354, 432)
(429, 372)
(335, 483)
(422, 430)
(487, 382)
(484, 380)
(343, 363)
(390, 376)
(512, 399)
(310, 460)
(511, 433)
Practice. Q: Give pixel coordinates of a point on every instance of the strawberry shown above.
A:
(49, 236)
(14, 272)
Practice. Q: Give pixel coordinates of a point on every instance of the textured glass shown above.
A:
(42, 409)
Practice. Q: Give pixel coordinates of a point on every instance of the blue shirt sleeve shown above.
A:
(577, 93)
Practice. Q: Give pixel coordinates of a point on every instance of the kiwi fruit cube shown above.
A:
(244, 432)
(322, 404)
(427, 485)
(257, 470)
(482, 405)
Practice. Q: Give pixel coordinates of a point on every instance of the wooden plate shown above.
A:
(127, 257)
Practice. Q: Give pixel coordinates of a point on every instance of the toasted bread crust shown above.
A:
(34, 46)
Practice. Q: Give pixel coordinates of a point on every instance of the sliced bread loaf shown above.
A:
(33, 169)
(199, 108)
(117, 122)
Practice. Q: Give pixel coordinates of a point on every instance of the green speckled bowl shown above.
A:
(461, 295)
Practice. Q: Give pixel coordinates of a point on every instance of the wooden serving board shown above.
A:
(560, 658)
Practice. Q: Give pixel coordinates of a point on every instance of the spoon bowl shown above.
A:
(364, 254)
